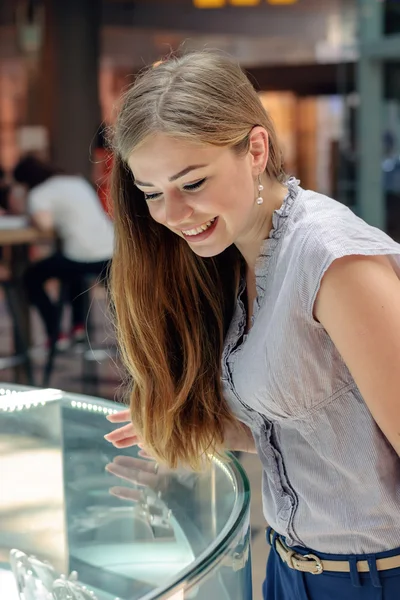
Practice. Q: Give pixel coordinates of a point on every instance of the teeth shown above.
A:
(199, 229)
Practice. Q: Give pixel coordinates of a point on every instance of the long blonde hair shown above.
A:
(172, 307)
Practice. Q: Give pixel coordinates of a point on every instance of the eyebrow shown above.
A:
(174, 177)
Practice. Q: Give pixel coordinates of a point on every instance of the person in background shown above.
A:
(66, 206)
(257, 315)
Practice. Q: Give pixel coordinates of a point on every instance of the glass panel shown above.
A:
(79, 513)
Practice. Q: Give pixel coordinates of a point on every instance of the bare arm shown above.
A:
(43, 220)
(240, 439)
(359, 306)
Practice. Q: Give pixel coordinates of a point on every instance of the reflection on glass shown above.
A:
(108, 524)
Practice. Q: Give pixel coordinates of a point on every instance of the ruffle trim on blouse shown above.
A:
(279, 220)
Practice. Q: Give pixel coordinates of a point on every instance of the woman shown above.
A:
(241, 297)
(67, 206)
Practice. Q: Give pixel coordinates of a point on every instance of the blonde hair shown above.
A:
(203, 97)
(172, 307)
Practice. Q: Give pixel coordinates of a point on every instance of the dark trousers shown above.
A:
(283, 583)
(67, 271)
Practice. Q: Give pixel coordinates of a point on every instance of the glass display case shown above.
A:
(81, 520)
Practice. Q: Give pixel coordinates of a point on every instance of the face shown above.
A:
(203, 193)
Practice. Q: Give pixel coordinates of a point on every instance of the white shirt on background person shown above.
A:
(85, 230)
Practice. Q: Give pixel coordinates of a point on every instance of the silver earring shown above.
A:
(260, 188)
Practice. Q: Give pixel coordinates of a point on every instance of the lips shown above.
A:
(199, 229)
(202, 233)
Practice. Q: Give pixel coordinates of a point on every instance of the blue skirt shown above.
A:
(283, 583)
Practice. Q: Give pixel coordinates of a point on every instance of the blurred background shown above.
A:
(327, 71)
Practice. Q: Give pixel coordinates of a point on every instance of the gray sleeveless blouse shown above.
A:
(331, 480)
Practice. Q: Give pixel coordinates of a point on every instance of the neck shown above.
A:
(260, 227)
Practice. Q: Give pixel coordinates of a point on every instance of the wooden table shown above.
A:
(24, 236)
(19, 241)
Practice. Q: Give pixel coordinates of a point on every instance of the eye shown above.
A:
(194, 186)
(152, 196)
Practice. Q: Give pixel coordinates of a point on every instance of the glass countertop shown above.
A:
(82, 520)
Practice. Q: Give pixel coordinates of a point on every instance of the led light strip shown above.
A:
(93, 407)
(12, 400)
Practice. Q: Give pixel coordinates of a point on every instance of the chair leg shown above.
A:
(22, 345)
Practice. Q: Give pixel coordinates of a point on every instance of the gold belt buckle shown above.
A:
(291, 558)
(318, 568)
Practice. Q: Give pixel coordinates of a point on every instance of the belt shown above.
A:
(310, 563)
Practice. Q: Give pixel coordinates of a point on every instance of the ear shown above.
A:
(258, 149)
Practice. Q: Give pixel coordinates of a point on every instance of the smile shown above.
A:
(198, 230)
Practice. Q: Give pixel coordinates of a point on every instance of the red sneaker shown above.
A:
(79, 334)
(63, 343)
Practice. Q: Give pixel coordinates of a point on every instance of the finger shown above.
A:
(145, 479)
(126, 443)
(126, 493)
(141, 478)
(122, 472)
(143, 454)
(120, 416)
(120, 433)
(138, 464)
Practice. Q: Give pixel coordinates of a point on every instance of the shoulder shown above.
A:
(316, 214)
(321, 224)
(322, 231)
(45, 188)
(65, 187)
(80, 185)
(42, 197)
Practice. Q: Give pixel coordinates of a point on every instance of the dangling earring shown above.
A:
(260, 188)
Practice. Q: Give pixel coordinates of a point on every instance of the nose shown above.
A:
(176, 210)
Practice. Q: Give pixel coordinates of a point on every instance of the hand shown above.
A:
(236, 438)
(125, 436)
(146, 473)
